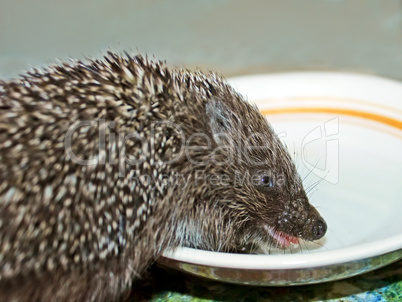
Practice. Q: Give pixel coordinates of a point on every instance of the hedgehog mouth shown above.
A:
(282, 239)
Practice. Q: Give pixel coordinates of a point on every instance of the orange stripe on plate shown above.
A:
(356, 113)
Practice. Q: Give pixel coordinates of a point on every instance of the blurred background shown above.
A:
(232, 37)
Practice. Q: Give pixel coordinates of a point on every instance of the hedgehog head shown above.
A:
(248, 183)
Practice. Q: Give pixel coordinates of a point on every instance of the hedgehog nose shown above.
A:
(319, 229)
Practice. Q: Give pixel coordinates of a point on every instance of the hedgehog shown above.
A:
(105, 164)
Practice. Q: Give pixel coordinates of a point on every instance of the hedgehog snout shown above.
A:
(302, 220)
(319, 229)
(314, 228)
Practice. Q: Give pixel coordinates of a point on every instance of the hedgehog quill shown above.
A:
(104, 164)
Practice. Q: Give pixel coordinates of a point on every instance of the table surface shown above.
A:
(384, 284)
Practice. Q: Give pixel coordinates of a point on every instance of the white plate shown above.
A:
(347, 129)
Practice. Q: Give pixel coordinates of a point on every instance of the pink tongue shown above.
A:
(285, 240)
(292, 239)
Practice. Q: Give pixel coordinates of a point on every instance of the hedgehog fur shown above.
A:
(104, 164)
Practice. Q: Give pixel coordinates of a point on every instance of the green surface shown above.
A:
(381, 285)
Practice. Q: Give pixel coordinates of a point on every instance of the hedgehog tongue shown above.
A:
(284, 240)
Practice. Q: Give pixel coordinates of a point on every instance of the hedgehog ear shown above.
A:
(223, 121)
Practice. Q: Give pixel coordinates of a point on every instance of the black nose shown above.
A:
(319, 229)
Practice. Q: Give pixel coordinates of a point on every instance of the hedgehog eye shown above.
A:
(266, 181)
